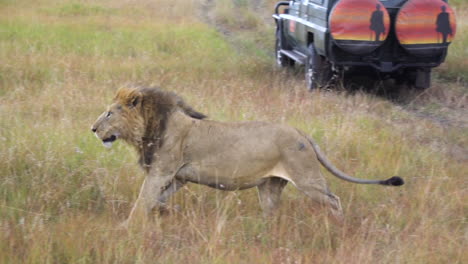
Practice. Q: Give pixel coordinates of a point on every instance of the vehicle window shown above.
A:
(316, 1)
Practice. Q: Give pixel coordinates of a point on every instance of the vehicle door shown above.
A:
(317, 18)
(291, 22)
(301, 33)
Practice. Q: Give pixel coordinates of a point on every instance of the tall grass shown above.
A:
(62, 195)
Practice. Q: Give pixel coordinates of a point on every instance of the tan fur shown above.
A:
(176, 146)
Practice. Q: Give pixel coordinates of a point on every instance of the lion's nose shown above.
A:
(94, 129)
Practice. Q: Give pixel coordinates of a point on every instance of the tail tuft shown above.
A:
(393, 181)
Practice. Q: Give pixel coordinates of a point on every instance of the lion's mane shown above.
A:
(156, 108)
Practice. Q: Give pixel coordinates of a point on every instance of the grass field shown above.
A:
(63, 195)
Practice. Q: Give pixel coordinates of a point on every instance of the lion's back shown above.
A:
(247, 139)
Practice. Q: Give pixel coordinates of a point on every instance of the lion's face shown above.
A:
(122, 120)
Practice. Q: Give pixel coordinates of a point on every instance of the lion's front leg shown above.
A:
(150, 193)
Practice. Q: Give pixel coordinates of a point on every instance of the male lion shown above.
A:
(176, 145)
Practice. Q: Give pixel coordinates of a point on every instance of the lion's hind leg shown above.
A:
(269, 193)
(304, 173)
(317, 190)
(169, 190)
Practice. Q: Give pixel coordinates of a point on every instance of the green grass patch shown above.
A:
(109, 52)
(93, 39)
(458, 3)
(79, 9)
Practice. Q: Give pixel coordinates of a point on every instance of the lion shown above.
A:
(178, 145)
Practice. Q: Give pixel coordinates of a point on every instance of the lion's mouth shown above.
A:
(108, 141)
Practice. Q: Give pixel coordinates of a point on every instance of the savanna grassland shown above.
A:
(63, 195)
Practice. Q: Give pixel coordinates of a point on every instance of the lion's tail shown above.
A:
(393, 181)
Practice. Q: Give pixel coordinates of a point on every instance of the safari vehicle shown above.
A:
(399, 39)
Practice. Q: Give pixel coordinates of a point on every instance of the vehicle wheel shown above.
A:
(317, 70)
(281, 60)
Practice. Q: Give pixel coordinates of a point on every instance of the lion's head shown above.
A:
(122, 119)
(139, 116)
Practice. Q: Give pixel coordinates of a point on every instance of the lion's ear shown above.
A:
(134, 101)
(130, 97)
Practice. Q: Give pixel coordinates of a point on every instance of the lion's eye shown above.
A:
(109, 114)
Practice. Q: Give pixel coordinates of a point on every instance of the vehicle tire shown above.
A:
(317, 69)
(281, 60)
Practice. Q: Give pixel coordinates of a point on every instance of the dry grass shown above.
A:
(62, 194)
